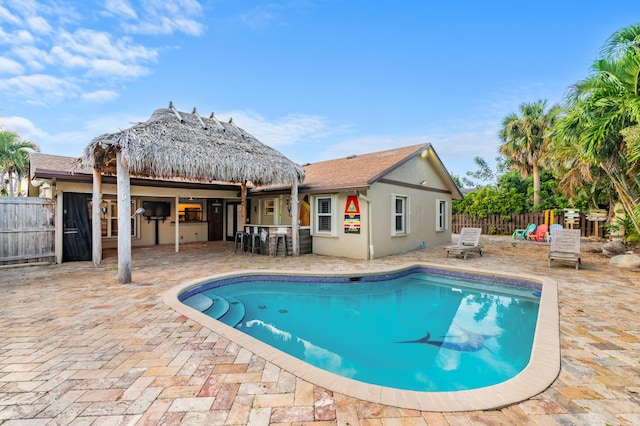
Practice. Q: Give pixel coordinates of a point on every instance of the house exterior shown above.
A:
(204, 211)
(360, 207)
(374, 205)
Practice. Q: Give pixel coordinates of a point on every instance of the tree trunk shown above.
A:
(11, 187)
(124, 220)
(536, 186)
(627, 197)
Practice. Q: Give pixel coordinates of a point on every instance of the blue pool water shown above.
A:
(413, 330)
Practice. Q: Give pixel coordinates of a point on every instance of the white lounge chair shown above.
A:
(565, 246)
(468, 242)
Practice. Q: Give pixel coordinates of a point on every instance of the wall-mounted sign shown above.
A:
(352, 216)
(352, 205)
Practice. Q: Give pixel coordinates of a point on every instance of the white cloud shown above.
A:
(99, 96)
(282, 131)
(70, 143)
(120, 8)
(9, 66)
(35, 59)
(168, 17)
(51, 39)
(100, 55)
(261, 17)
(15, 38)
(7, 16)
(38, 24)
(23, 127)
(39, 88)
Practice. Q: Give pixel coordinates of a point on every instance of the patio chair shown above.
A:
(468, 242)
(565, 246)
(521, 234)
(553, 228)
(540, 234)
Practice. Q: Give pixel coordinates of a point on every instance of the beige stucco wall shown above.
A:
(422, 209)
(380, 241)
(343, 244)
(281, 215)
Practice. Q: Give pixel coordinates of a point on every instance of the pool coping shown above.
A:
(541, 371)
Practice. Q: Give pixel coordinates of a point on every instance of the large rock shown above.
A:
(613, 248)
(625, 261)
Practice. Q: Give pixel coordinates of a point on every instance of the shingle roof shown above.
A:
(358, 172)
(58, 163)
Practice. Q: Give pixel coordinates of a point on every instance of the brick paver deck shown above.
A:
(78, 348)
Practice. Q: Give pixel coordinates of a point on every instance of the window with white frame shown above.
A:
(441, 215)
(324, 216)
(399, 215)
(109, 218)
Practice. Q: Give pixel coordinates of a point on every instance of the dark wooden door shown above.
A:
(215, 219)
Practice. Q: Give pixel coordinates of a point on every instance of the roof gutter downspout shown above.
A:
(369, 227)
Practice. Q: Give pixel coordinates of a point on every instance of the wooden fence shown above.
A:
(505, 225)
(27, 230)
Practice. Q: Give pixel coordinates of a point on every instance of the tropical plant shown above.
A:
(488, 200)
(525, 139)
(14, 158)
(602, 115)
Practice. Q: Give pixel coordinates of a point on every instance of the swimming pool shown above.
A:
(446, 354)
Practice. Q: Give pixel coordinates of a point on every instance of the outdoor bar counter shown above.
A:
(304, 238)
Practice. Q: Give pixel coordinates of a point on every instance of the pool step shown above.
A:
(219, 307)
(229, 311)
(199, 302)
(235, 314)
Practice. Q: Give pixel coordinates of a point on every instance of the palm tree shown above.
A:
(603, 111)
(525, 139)
(14, 157)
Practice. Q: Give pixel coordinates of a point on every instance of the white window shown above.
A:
(399, 215)
(441, 215)
(325, 215)
(109, 218)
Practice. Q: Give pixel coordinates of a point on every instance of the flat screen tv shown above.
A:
(156, 208)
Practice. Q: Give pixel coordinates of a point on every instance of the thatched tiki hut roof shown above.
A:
(174, 144)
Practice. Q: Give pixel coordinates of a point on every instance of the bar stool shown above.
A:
(255, 240)
(240, 238)
(281, 236)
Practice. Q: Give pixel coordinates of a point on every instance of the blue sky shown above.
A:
(315, 79)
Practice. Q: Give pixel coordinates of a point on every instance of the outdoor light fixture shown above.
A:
(424, 183)
(138, 212)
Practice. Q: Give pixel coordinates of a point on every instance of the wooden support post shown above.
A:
(96, 230)
(124, 220)
(243, 205)
(177, 216)
(295, 223)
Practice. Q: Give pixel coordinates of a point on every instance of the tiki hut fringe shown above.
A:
(180, 145)
(173, 144)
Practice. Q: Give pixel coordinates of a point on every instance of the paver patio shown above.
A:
(78, 348)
